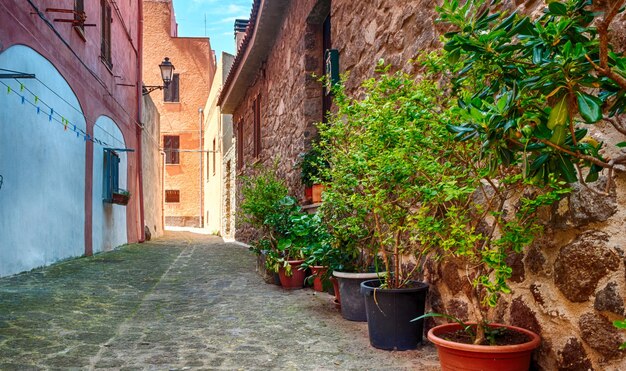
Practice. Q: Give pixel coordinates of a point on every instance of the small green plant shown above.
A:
(311, 166)
(491, 333)
(285, 231)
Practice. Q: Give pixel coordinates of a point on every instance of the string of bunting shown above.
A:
(52, 115)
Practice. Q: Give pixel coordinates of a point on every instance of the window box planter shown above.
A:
(120, 197)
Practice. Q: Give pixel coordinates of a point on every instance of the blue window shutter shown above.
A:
(107, 180)
(115, 171)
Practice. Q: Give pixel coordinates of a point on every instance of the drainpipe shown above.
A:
(200, 119)
(142, 234)
(162, 152)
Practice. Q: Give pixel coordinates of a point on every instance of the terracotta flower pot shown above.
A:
(459, 356)
(318, 271)
(317, 193)
(308, 193)
(296, 280)
(336, 291)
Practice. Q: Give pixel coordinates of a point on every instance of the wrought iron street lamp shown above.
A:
(167, 71)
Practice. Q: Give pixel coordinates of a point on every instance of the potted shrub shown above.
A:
(267, 207)
(383, 150)
(311, 165)
(289, 234)
(520, 90)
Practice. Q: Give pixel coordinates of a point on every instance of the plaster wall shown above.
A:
(291, 102)
(100, 90)
(109, 220)
(218, 130)
(194, 61)
(42, 213)
(152, 168)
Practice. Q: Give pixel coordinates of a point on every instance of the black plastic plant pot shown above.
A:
(352, 303)
(389, 314)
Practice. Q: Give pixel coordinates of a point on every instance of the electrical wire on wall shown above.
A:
(54, 116)
(43, 17)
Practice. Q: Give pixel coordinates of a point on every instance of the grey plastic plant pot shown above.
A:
(352, 302)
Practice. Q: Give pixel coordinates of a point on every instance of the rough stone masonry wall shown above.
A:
(567, 287)
(290, 104)
(570, 285)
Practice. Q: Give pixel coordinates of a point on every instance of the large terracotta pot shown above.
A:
(455, 356)
(296, 280)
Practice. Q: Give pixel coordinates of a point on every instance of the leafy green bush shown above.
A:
(286, 232)
(529, 89)
(311, 166)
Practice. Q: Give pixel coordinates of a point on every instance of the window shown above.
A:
(111, 175)
(172, 195)
(257, 126)
(213, 156)
(170, 94)
(239, 145)
(171, 145)
(105, 46)
(79, 16)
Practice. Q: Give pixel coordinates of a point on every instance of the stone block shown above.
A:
(451, 277)
(458, 308)
(514, 260)
(598, 332)
(573, 357)
(609, 299)
(583, 206)
(524, 317)
(580, 265)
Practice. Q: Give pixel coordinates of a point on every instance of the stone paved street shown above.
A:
(185, 301)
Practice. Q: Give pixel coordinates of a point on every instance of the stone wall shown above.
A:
(288, 109)
(229, 194)
(568, 286)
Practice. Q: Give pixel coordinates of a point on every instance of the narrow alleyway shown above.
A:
(185, 301)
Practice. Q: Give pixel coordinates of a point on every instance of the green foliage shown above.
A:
(311, 165)
(384, 150)
(622, 325)
(284, 229)
(261, 195)
(528, 88)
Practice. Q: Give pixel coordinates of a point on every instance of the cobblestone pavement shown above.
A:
(185, 301)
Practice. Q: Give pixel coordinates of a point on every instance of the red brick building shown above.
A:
(181, 108)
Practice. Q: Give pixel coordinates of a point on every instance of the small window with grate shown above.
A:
(172, 195)
(171, 93)
(105, 44)
(171, 145)
(79, 17)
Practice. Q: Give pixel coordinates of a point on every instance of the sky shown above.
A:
(220, 20)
